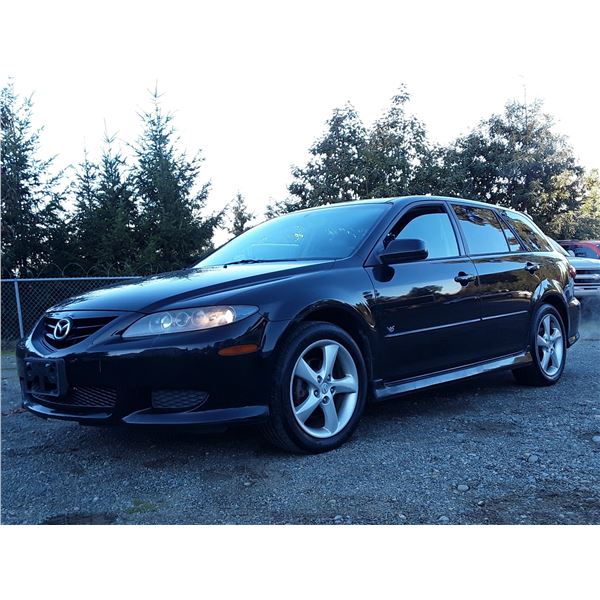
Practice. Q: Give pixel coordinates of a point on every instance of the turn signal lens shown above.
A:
(191, 319)
(238, 350)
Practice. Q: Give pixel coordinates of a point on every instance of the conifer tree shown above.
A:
(240, 216)
(173, 230)
(30, 198)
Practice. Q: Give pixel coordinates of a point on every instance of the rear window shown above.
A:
(528, 232)
(482, 230)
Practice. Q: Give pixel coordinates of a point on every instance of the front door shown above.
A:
(427, 311)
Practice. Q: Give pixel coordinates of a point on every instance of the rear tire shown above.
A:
(547, 343)
(319, 389)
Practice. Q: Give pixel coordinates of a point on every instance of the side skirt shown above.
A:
(386, 390)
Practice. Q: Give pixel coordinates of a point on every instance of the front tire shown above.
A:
(548, 349)
(318, 392)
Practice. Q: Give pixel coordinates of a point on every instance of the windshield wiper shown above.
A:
(251, 261)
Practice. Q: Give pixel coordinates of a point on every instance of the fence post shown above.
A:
(19, 312)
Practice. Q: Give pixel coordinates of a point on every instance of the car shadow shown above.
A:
(454, 398)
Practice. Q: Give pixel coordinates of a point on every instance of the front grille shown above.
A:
(81, 328)
(178, 399)
(85, 396)
(588, 277)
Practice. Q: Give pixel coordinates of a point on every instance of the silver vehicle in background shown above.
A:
(587, 278)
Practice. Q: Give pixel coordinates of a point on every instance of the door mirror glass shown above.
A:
(403, 250)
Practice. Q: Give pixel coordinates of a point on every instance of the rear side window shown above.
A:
(513, 242)
(433, 226)
(528, 232)
(482, 230)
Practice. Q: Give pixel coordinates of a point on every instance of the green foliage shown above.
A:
(147, 215)
(30, 201)
(517, 160)
(240, 217)
(350, 162)
(88, 233)
(584, 222)
(105, 218)
(172, 230)
(396, 151)
(335, 171)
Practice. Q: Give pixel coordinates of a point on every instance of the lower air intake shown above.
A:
(83, 397)
(178, 399)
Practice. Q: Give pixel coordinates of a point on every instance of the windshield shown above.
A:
(327, 233)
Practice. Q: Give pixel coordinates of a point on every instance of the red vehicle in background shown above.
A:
(585, 249)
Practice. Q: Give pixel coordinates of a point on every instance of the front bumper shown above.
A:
(127, 374)
(590, 292)
(208, 419)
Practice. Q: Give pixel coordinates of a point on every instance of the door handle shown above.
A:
(532, 267)
(465, 278)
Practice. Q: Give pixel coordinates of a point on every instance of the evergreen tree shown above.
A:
(240, 216)
(336, 172)
(173, 231)
(105, 215)
(396, 150)
(349, 162)
(515, 159)
(86, 226)
(117, 214)
(582, 222)
(30, 201)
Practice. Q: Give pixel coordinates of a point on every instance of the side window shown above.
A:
(528, 232)
(430, 224)
(482, 229)
(513, 242)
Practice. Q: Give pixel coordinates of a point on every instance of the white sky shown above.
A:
(251, 83)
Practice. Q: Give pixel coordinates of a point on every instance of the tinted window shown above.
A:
(331, 233)
(482, 229)
(431, 225)
(528, 232)
(513, 242)
(584, 252)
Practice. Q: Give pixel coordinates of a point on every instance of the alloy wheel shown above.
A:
(324, 388)
(550, 345)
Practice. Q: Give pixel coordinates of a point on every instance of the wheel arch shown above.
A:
(557, 300)
(357, 325)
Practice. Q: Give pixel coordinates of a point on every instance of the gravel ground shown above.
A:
(478, 451)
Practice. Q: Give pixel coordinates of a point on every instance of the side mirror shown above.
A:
(400, 251)
(571, 253)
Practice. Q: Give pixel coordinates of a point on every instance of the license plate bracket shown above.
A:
(46, 377)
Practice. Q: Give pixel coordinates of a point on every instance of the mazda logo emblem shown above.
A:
(62, 329)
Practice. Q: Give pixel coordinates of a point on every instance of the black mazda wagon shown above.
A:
(297, 323)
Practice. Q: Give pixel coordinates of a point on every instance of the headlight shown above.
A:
(188, 319)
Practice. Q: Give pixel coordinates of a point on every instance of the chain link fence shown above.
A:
(25, 300)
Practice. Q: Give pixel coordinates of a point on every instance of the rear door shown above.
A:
(426, 311)
(507, 279)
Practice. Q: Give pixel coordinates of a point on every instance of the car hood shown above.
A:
(160, 291)
(584, 263)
